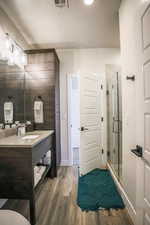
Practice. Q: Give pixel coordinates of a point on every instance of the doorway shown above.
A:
(74, 118)
(114, 118)
(84, 121)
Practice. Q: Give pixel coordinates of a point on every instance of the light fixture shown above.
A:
(88, 2)
(11, 52)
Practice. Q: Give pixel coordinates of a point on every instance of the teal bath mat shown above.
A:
(97, 190)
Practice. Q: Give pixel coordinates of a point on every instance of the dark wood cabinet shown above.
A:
(17, 170)
(42, 80)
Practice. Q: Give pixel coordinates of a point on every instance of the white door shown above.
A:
(143, 113)
(90, 120)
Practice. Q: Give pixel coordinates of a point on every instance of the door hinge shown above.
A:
(107, 92)
(102, 151)
(101, 87)
(102, 119)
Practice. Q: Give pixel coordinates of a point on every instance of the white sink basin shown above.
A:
(30, 137)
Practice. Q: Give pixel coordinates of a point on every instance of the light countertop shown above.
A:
(15, 141)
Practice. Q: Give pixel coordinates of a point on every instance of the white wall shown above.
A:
(78, 61)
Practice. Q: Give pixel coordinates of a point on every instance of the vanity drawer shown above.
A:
(39, 150)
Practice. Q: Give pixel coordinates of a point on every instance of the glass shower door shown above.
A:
(114, 123)
(115, 159)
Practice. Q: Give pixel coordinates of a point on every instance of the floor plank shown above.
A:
(56, 204)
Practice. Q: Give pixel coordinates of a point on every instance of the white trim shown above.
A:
(130, 208)
(68, 121)
(65, 163)
(69, 131)
(103, 112)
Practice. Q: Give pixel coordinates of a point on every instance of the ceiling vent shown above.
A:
(62, 3)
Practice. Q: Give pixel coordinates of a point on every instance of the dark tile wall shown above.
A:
(40, 81)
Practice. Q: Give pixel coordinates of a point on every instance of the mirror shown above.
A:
(12, 83)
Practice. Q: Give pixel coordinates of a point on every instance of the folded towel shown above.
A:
(38, 172)
(47, 158)
(38, 112)
(8, 105)
(37, 105)
(8, 112)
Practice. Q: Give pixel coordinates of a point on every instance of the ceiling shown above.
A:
(43, 25)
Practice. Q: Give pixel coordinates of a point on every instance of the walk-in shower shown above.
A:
(114, 119)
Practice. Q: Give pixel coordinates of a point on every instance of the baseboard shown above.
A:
(129, 207)
(65, 163)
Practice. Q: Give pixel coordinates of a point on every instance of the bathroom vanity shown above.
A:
(18, 157)
(21, 91)
(29, 97)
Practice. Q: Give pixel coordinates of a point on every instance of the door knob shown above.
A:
(138, 151)
(83, 129)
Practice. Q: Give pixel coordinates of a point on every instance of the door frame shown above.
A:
(69, 76)
(69, 118)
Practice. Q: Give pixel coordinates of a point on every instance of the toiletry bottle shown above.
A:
(21, 130)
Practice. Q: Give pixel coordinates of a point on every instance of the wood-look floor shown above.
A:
(56, 204)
